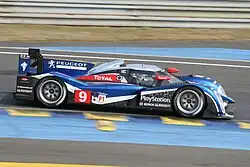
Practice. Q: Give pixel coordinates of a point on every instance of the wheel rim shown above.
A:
(51, 92)
(189, 102)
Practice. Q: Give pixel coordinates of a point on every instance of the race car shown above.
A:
(57, 82)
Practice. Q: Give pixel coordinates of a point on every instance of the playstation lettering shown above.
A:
(156, 100)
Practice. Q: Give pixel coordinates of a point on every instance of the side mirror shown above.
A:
(172, 70)
(162, 78)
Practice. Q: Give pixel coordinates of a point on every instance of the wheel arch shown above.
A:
(49, 77)
(189, 86)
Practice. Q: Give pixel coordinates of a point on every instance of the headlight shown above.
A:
(220, 98)
(221, 90)
(222, 104)
(225, 104)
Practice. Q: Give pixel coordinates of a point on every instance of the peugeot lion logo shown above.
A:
(24, 66)
(51, 64)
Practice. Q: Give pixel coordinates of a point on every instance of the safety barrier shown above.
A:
(143, 13)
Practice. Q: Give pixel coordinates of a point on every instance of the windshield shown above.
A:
(173, 78)
(105, 66)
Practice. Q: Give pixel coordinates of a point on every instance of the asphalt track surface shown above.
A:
(45, 151)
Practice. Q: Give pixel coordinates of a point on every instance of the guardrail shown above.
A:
(143, 13)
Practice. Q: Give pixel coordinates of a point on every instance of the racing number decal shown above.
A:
(82, 96)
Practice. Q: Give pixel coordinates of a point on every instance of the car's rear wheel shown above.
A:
(51, 92)
(189, 102)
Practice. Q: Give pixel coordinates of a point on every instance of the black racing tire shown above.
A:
(189, 102)
(51, 92)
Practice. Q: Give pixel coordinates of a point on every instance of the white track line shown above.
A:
(6, 47)
(126, 54)
(131, 59)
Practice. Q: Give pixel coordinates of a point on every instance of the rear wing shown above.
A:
(35, 63)
(31, 63)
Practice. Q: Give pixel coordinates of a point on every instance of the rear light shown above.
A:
(24, 79)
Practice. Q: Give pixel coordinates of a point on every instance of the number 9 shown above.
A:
(83, 96)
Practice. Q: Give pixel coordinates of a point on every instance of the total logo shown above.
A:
(67, 65)
(102, 78)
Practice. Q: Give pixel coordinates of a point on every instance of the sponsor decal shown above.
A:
(25, 87)
(51, 64)
(162, 99)
(155, 105)
(67, 65)
(24, 57)
(82, 96)
(99, 98)
(108, 77)
(103, 78)
(23, 91)
(119, 77)
(24, 66)
(153, 99)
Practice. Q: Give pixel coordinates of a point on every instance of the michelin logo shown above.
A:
(67, 65)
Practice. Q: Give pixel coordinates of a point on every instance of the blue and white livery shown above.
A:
(54, 82)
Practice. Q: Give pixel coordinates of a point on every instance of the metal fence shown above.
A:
(143, 13)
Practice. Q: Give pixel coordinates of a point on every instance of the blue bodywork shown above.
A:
(208, 86)
(207, 83)
(113, 89)
(67, 71)
(212, 88)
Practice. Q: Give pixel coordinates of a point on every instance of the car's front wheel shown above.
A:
(51, 92)
(189, 102)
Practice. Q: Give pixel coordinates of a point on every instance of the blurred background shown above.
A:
(124, 20)
(205, 37)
